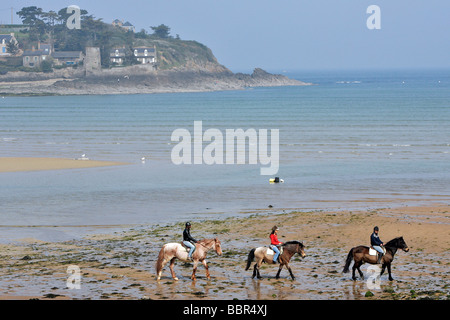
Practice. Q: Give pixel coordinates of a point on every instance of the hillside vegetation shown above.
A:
(50, 27)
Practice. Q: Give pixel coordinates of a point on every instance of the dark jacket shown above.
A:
(375, 240)
(187, 236)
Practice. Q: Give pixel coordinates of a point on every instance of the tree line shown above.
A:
(51, 27)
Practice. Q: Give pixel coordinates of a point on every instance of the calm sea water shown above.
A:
(353, 136)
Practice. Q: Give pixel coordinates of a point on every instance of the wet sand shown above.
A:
(17, 164)
(121, 265)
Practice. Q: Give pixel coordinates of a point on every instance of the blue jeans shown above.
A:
(189, 245)
(379, 249)
(277, 252)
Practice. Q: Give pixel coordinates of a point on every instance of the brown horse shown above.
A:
(360, 255)
(172, 251)
(262, 254)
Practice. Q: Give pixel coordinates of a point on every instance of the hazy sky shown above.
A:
(288, 35)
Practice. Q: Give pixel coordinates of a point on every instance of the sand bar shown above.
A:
(37, 164)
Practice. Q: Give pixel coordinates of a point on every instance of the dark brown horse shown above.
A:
(262, 254)
(360, 255)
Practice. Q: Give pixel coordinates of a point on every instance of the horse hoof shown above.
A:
(176, 279)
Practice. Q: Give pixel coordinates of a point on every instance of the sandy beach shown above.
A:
(15, 164)
(121, 265)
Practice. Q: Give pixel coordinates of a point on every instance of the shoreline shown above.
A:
(52, 232)
(121, 265)
(124, 81)
(24, 164)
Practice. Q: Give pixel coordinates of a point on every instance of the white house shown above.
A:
(4, 40)
(145, 54)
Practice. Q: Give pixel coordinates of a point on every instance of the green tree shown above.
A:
(12, 48)
(162, 31)
(46, 66)
(30, 15)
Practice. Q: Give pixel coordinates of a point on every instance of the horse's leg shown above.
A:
(194, 270)
(208, 276)
(163, 263)
(254, 271)
(361, 274)
(257, 266)
(290, 271)
(389, 271)
(383, 267)
(279, 271)
(353, 270)
(172, 263)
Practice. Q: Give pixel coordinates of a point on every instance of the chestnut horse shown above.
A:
(289, 249)
(360, 255)
(172, 251)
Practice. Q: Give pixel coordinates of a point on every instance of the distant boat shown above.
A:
(276, 180)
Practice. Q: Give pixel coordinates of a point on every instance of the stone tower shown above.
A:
(92, 61)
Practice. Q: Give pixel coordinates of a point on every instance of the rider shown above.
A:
(274, 243)
(376, 243)
(188, 240)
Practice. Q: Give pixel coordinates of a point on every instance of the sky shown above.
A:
(288, 35)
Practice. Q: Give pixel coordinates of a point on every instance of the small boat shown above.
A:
(276, 180)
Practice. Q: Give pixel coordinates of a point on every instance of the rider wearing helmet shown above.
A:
(188, 240)
(376, 243)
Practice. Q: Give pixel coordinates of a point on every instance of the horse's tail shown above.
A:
(159, 262)
(251, 256)
(348, 261)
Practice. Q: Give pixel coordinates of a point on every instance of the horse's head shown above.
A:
(217, 246)
(301, 249)
(295, 247)
(402, 244)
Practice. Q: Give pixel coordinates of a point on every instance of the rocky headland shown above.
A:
(136, 80)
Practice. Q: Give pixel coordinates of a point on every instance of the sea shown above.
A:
(353, 140)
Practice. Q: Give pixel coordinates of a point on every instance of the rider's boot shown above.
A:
(379, 258)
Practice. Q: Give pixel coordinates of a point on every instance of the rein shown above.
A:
(204, 245)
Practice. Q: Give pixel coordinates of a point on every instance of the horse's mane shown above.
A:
(206, 241)
(292, 242)
(391, 242)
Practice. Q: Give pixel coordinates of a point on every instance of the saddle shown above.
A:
(373, 252)
(270, 251)
(185, 247)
